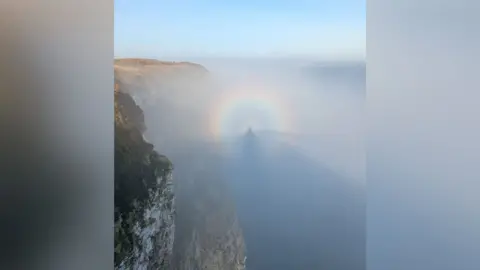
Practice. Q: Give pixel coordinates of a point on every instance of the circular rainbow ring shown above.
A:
(230, 103)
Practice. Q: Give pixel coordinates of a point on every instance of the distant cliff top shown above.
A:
(154, 63)
(135, 75)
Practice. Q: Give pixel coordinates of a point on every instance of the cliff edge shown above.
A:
(144, 198)
(207, 231)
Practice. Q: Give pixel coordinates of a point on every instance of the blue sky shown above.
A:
(161, 28)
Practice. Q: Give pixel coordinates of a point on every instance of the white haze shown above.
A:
(326, 114)
(296, 208)
(423, 141)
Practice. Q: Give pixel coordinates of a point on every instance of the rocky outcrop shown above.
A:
(207, 231)
(144, 198)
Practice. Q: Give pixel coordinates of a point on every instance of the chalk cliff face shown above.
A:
(144, 198)
(207, 231)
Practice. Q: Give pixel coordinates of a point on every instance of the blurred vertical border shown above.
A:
(56, 83)
(423, 147)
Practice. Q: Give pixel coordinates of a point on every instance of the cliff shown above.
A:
(161, 80)
(207, 231)
(144, 199)
(166, 89)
